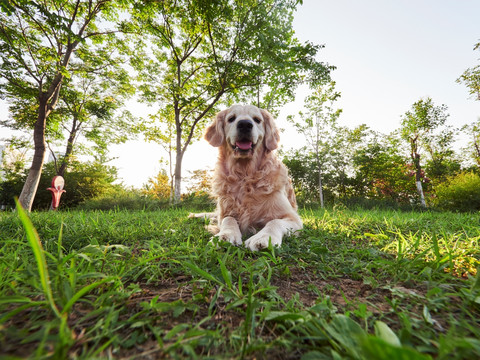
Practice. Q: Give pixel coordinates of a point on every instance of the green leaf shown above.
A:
(386, 334)
(378, 349)
(284, 315)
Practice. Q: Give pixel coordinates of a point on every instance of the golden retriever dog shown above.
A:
(254, 193)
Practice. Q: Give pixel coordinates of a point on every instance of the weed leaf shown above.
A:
(386, 334)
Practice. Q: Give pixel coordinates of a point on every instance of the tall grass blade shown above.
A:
(202, 273)
(19, 309)
(436, 248)
(83, 291)
(227, 275)
(38, 252)
(59, 242)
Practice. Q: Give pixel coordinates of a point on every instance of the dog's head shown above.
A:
(243, 129)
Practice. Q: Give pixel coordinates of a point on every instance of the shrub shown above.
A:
(198, 202)
(82, 181)
(123, 200)
(459, 193)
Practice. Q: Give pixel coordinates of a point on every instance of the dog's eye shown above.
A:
(231, 119)
(257, 120)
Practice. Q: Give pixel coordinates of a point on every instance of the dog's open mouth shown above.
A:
(243, 147)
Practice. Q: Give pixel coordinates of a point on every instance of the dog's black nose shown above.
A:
(244, 126)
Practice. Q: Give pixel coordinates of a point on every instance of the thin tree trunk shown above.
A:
(178, 158)
(172, 188)
(477, 151)
(317, 154)
(418, 169)
(69, 149)
(31, 184)
(178, 177)
(420, 194)
(320, 185)
(418, 179)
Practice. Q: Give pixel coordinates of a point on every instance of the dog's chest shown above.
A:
(248, 189)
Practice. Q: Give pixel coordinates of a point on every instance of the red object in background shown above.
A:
(57, 190)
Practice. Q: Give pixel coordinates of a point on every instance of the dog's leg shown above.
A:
(273, 231)
(229, 231)
(203, 215)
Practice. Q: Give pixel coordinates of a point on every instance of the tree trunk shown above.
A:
(31, 184)
(418, 180)
(320, 185)
(178, 177)
(477, 152)
(420, 194)
(69, 149)
(171, 175)
(418, 169)
(178, 158)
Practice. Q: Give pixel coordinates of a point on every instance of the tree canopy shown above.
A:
(39, 44)
(199, 54)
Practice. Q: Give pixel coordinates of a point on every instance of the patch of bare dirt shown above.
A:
(342, 291)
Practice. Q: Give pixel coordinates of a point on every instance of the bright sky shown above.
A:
(388, 55)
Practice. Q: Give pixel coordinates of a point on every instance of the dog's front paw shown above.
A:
(230, 236)
(261, 241)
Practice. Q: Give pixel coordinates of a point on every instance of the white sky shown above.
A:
(388, 55)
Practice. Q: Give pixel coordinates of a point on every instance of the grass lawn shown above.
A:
(149, 285)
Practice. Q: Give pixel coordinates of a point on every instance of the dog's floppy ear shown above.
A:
(215, 134)
(272, 135)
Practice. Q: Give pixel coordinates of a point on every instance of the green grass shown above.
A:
(132, 285)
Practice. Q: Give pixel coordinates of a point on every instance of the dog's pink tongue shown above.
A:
(244, 145)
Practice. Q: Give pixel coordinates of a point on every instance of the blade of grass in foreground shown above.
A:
(83, 291)
(37, 248)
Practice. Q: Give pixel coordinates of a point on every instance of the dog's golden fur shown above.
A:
(253, 191)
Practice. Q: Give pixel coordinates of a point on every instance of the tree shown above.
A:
(442, 162)
(319, 126)
(87, 109)
(203, 53)
(303, 169)
(160, 128)
(471, 78)
(473, 130)
(89, 105)
(346, 142)
(158, 187)
(38, 43)
(417, 125)
(200, 182)
(380, 171)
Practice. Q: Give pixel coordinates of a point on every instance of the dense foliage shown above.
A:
(459, 193)
(50, 46)
(413, 166)
(83, 181)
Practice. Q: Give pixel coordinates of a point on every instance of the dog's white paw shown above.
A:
(230, 236)
(261, 241)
